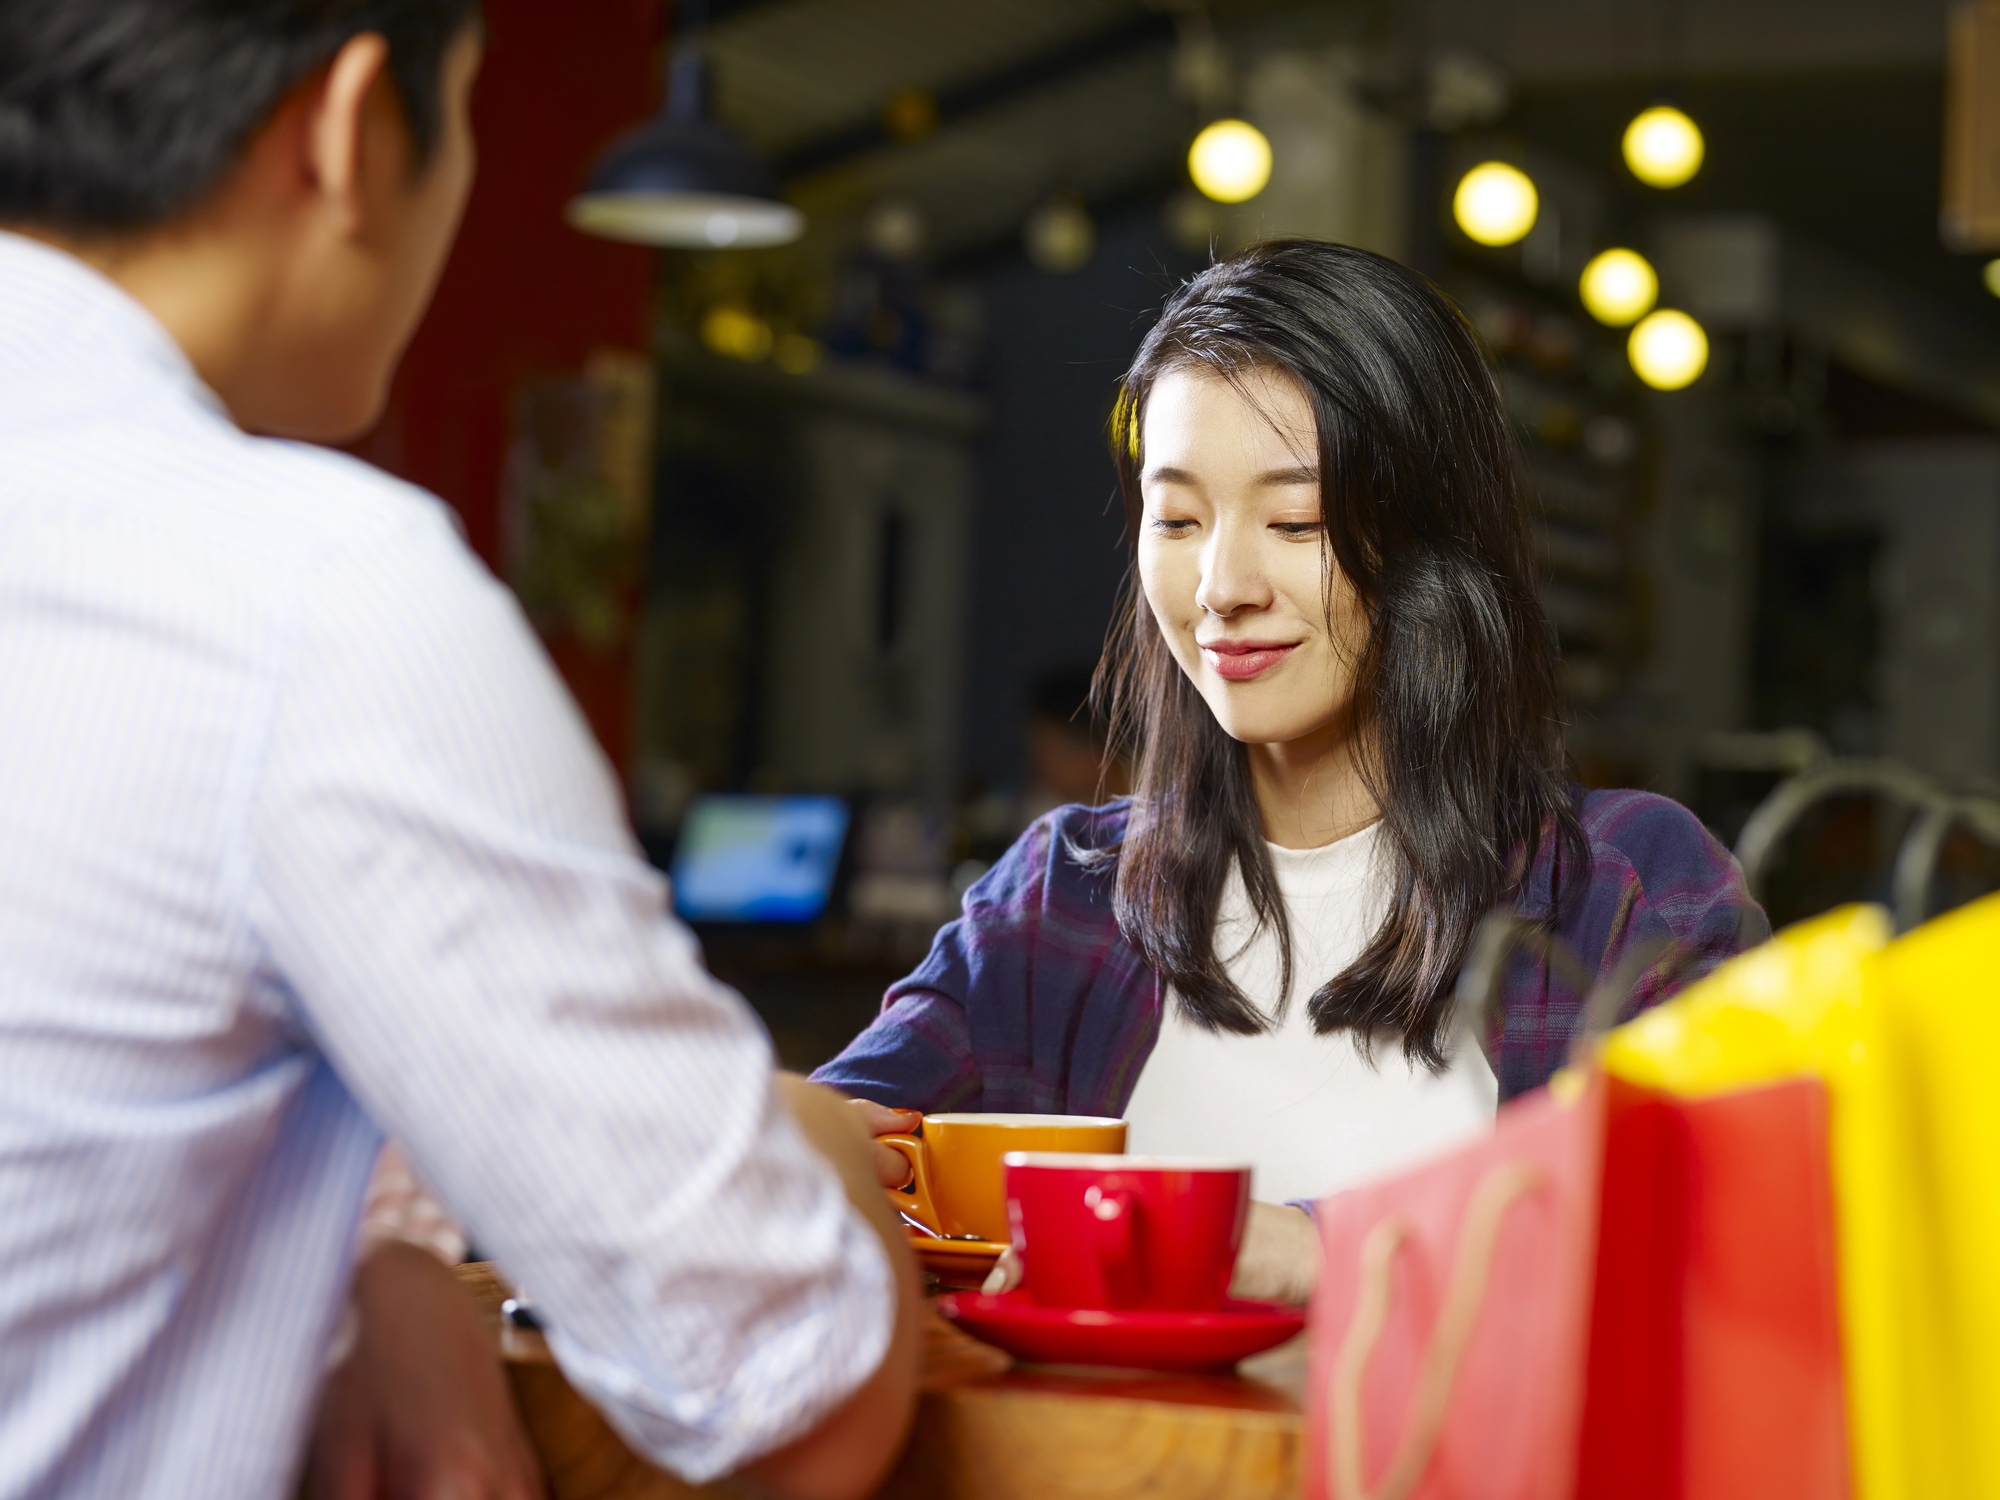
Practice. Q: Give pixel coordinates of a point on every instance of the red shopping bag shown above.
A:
(1625, 1294)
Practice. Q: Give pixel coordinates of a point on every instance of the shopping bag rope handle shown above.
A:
(1465, 1294)
(1504, 932)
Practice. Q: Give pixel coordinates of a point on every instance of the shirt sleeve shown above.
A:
(400, 1208)
(1680, 884)
(1030, 1001)
(919, 1052)
(440, 873)
(1656, 877)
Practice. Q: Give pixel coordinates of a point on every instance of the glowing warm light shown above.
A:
(1495, 204)
(1230, 161)
(736, 332)
(1991, 276)
(1060, 236)
(1663, 147)
(1619, 287)
(796, 354)
(1668, 350)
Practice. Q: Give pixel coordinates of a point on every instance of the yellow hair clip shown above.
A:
(1125, 423)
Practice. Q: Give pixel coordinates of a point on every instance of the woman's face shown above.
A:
(1230, 555)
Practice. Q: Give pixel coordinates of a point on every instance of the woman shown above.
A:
(1340, 690)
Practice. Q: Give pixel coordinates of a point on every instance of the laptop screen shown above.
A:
(757, 859)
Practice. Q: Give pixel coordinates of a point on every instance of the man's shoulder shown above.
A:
(178, 470)
(309, 499)
(117, 432)
(190, 521)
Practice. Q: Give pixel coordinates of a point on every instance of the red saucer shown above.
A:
(1134, 1340)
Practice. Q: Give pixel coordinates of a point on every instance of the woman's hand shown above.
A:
(1279, 1261)
(892, 1168)
(1007, 1273)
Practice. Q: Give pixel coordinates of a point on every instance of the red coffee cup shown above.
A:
(1151, 1232)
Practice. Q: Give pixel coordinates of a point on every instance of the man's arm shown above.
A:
(442, 875)
(846, 1456)
(418, 1406)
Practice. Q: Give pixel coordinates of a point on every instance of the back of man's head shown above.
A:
(117, 115)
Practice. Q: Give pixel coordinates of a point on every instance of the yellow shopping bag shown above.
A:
(1906, 1035)
(1933, 1077)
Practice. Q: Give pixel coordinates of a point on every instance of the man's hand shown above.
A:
(1279, 1261)
(892, 1168)
(419, 1409)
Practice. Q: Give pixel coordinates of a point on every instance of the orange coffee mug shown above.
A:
(958, 1189)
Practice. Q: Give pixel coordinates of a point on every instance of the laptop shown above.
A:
(758, 858)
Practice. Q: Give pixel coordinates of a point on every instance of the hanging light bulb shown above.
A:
(736, 332)
(1230, 161)
(1668, 350)
(1060, 235)
(1495, 204)
(1618, 287)
(1663, 147)
(1991, 276)
(685, 178)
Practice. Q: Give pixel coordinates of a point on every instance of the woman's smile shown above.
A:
(1240, 661)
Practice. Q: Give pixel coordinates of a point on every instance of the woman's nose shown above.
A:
(1232, 577)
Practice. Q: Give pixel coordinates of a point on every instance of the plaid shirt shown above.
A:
(1032, 1001)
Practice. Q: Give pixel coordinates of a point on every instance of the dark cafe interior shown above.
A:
(1029, 750)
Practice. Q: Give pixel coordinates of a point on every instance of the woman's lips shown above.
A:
(1239, 661)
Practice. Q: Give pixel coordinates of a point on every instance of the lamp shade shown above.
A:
(682, 182)
(684, 179)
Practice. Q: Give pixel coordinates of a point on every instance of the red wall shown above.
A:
(523, 293)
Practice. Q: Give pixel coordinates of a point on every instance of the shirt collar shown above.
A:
(62, 318)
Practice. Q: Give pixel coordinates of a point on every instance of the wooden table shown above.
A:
(985, 1430)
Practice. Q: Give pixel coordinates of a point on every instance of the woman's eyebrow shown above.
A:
(1297, 474)
(1167, 474)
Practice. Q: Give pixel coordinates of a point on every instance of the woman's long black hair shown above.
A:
(1455, 688)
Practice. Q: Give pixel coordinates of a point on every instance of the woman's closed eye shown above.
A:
(1296, 531)
(1172, 525)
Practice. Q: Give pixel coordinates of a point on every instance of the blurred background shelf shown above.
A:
(837, 516)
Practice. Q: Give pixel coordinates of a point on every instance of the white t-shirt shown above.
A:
(1310, 1112)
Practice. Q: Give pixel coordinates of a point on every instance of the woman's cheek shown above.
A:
(1171, 579)
(1153, 585)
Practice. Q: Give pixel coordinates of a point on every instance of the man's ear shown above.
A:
(337, 136)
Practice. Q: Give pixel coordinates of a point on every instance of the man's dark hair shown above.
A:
(116, 115)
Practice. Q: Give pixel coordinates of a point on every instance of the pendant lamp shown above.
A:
(684, 179)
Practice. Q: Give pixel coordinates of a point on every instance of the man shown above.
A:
(301, 840)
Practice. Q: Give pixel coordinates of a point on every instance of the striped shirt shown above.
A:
(1032, 1001)
(301, 840)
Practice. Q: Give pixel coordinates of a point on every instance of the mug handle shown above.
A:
(1115, 1219)
(914, 1199)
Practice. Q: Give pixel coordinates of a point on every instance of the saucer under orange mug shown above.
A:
(957, 1185)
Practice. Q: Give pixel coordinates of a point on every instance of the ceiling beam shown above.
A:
(1002, 85)
(728, 10)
